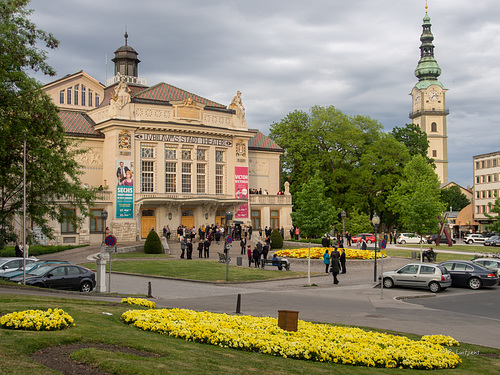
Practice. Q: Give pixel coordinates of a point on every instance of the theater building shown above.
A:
(160, 155)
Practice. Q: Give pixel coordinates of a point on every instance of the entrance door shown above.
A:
(187, 218)
(148, 221)
(220, 217)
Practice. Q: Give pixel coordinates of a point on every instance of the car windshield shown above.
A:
(41, 270)
(444, 271)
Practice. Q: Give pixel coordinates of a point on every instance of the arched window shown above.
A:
(434, 127)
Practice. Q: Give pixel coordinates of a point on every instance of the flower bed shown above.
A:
(316, 342)
(139, 302)
(317, 253)
(37, 320)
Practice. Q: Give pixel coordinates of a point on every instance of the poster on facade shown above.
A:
(241, 189)
(124, 190)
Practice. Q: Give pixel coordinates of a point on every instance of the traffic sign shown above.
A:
(110, 240)
(229, 239)
(383, 244)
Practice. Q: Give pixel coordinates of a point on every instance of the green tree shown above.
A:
(417, 197)
(453, 198)
(315, 213)
(153, 243)
(357, 222)
(414, 138)
(495, 209)
(28, 114)
(276, 239)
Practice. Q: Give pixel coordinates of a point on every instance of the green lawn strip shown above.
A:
(175, 356)
(441, 257)
(203, 270)
(137, 254)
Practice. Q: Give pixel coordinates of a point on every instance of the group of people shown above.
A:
(187, 248)
(260, 250)
(19, 249)
(335, 263)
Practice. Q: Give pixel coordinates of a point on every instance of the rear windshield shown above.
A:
(444, 271)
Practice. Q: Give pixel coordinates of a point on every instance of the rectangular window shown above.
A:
(482, 164)
(61, 97)
(219, 156)
(186, 177)
(186, 154)
(201, 154)
(477, 165)
(170, 153)
(219, 179)
(477, 210)
(68, 95)
(494, 162)
(69, 220)
(96, 221)
(483, 179)
(90, 98)
(488, 163)
(96, 100)
(483, 208)
(170, 177)
(477, 194)
(147, 152)
(477, 179)
(200, 178)
(489, 177)
(434, 153)
(495, 177)
(147, 176)
(275, 219)
(255, 214)
(84, 94)
(76, 94)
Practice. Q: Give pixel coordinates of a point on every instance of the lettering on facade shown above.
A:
(184, 139)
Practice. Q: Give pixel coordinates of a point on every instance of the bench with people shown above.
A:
(430, 255)
(280, 263)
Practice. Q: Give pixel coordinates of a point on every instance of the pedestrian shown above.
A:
(189, 249)
(183, 246)
(243, 245)
(342, 261)
(168, 232)
(206, 247)
(324, 241)
(349, 238)
(217, 236)
(326, 260)
(297, 233)
(250, 230)
(200, 249)
(265, 250)
(19, 253)
(256, 255)
(363, 243)
(335, 268)
(164, 231)
(249, 255)
(390, 237)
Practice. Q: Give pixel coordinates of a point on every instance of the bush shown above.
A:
(153, 244)
(36, 250)
(276, 239)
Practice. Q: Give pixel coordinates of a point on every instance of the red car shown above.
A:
(369, 237)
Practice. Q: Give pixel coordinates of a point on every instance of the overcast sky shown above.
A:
(357, 55)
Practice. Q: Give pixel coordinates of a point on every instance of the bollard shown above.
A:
(149, 290)
(238, 304)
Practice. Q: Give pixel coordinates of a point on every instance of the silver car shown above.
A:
(418, 275)
(11, 264)
(489, 263)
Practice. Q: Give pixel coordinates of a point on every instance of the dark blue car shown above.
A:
(467, 273)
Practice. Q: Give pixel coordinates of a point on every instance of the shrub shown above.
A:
(276, 239)
(153, 244)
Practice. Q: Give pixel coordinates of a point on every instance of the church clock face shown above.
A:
(433, 95)
(417, 99)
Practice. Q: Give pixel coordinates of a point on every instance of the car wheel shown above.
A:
(368, 241)
(402, 242)
(86, 287)
(469, 242)
(475, 283)
(434, 287)
(388, 283)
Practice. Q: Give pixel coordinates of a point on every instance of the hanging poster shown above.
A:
(241, 189)
(124, 190)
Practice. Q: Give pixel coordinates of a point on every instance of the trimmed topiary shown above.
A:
(276, 239)
(153, 244)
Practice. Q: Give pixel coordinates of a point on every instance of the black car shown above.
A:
(467, 273)
(432, 239)
(492, 241)
(60, 276)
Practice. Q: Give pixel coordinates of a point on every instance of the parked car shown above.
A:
(417, 275)
(409, 238)
(369, 237)
(492, 241)
(60, 276)
(11, 264)
(432, 239)
(30, 267)
(474, 237)
(489, 263)
(467, 273)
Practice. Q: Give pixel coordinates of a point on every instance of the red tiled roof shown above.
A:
(166, 93)
(78, 123)
(261, 142)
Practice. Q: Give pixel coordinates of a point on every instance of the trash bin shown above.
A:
(413, 255)
(239, 261)
(288, 320)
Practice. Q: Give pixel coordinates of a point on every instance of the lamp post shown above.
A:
(375, 222)
(343, 215)
(104, 217)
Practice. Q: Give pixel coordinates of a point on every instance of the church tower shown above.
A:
(428, 109)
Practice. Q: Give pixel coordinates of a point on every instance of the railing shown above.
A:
(417, 113)
(103, 195)
(128, 79)
(270, 199)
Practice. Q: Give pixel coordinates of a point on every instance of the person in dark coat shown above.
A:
(363, 243)
(19, 252)
(256, 256)
(200, 249)
(324, 241)
(206, 247)
(342, 261)
(265, 251)
(335, 268)
(183, 246)
(243, 245)
(189, 249)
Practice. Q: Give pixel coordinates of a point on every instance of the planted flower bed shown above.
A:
(317, 253)
(37, 320)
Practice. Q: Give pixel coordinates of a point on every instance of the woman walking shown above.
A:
(326, 260)
(335, 268)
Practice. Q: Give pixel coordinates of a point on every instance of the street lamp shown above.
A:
(104, 216)
(375, 222)
(343, 215)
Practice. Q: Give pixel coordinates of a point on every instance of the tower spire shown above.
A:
(427, 68)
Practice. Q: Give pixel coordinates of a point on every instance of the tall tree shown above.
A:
(315, 213)
(417, 197)
(454, 199)
(27, 114)
(495, 210)
(414, 138)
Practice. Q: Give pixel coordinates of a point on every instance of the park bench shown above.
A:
(222, 258)
(430, 258)
(284, 263)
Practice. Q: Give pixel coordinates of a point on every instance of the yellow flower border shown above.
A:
(139, 302)
(317, 253)
(316, 342)
(37, 320)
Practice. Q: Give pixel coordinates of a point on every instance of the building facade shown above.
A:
(486, 186)
(428, 103)
(160, 156)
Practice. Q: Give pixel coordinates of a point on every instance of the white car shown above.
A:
(409, 238)
(473, 238)
(12, 264)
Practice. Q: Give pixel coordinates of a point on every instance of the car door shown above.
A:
(74, 277)
(11, 265)
(460, 274)
(407, 276)
(55, 278)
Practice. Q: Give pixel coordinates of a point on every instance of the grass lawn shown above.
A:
(204, 270)
(174, 356)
